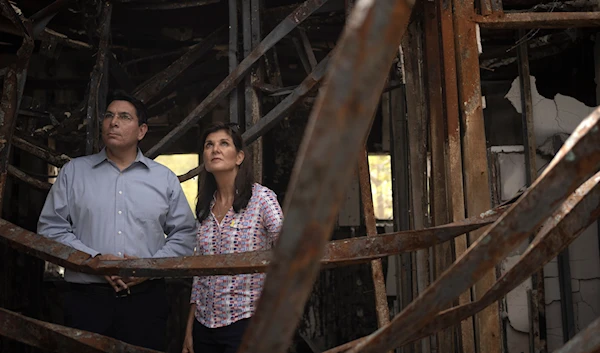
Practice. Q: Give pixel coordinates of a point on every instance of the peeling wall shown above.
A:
(551, 116)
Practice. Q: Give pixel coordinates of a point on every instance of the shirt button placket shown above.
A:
(120, 217)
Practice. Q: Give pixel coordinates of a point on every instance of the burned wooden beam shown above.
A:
(166, 5)
(148, 90)
(288, 24)
(20, 175)
(337, 253)
(276, 114)
(340, 119)
(577, 161)
(41, 18)
(12, 91)
(45, 154)
(57, 338)
(96, 102)
(525, 20)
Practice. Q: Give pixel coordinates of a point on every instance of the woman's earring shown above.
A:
(236, 192)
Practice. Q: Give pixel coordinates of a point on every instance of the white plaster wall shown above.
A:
(551, 116)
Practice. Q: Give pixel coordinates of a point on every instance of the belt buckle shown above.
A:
(123, 293)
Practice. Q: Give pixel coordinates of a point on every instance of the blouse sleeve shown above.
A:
(271, 213)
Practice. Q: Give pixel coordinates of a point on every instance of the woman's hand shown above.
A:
(188, 342)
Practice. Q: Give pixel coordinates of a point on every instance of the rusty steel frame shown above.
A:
(57, 338)
(230, 82)
(577, 160)
(577, 213)
(337, 253)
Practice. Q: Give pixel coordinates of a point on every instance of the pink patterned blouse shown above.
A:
(223, 300)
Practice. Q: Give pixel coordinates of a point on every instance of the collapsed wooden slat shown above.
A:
(57, 338)
(575, 162)
(230, 82)
(47, 155)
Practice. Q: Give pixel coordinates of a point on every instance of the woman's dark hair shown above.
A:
(140, 107)
(243, 179)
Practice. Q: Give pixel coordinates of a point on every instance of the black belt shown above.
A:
(107, 289)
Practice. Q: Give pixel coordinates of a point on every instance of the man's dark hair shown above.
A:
(140, 107)
(243, 179)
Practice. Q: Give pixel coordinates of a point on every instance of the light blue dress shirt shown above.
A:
(96, 208)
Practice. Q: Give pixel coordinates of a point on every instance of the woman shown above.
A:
(234, 215)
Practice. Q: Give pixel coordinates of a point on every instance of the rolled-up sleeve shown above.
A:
(180, 224)
(55, 220)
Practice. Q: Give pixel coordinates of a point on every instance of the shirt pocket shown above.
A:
(237, 237)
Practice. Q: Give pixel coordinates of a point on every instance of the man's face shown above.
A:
(120, 127)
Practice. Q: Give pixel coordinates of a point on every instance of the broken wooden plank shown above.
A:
(286, 26)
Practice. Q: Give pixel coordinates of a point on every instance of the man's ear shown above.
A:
(240, 158)
(142, 131)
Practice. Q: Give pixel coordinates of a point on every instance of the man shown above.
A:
(113, 205)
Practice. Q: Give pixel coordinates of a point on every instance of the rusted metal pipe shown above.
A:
(577, 160)
(338, 253)
(366, 197)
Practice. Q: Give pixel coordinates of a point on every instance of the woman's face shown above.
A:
(220, 154)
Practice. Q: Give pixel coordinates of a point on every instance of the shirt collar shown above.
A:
(101, 157)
